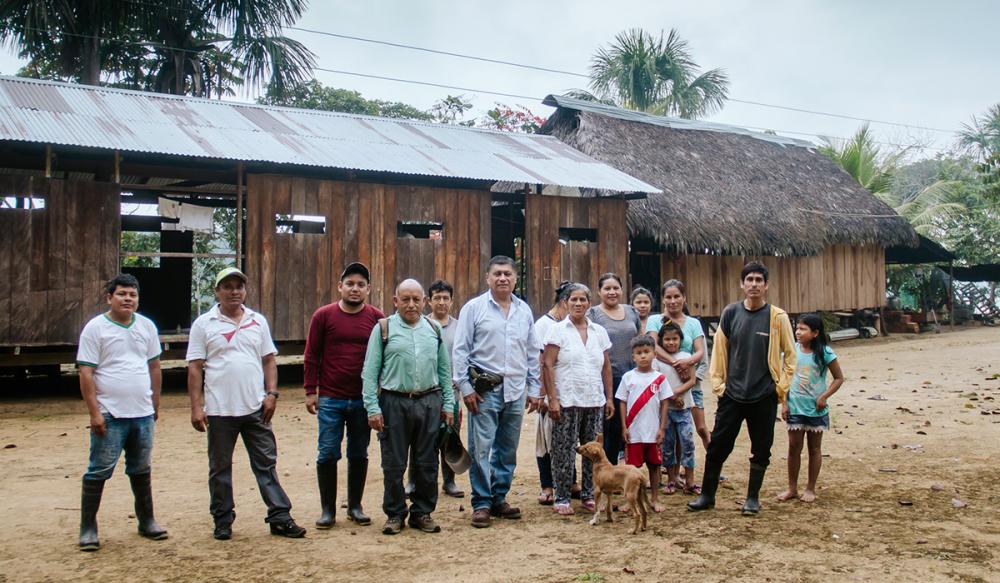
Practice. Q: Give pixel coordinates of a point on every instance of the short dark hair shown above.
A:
(641, 291)
(669, 326)
(562, 291)
(121, 280)
(500, 260)
(753, 267)
(441, 285)
(642, 340)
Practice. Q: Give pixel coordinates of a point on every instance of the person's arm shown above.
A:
(156, 382)
(718, 368)
(312, 360)
(444, 381)
(88, 390)
(370, 379)
(692, 361)
(464, 336)
(195, 377)
(838, 381)
(788, 357)
(270, 366)
(664, 420)
(533, 381)
(609, 398)
(623, 415)
(549, 359)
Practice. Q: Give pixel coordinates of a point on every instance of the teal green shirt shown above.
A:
(408, 363)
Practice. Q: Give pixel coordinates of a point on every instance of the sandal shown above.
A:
(546, 498)
(670, 488)
(695, 489)
(589, 505)
(563, 509)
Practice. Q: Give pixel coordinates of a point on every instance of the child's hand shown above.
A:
(684, 373)
(821, 403)
(625, 436)
(660, 435)
(677, 401)
(784, 412)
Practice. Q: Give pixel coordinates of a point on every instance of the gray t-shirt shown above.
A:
(448, 334)
(748, 378)
(621, 332)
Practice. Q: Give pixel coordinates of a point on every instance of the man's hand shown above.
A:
(448, 417)
(377, 423)
(270, 404)
(534, 404)
(821, 403)
(609, 410)
(784, 412)
(97, 426)
(311, 401)
(472, 402)
(156, 414)
(554, 410)
(199, 420)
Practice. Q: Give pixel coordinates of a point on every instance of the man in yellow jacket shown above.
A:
(753, 360)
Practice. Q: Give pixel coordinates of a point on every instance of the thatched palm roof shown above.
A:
(727, 190)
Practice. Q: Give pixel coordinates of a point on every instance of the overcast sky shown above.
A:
(921, 62)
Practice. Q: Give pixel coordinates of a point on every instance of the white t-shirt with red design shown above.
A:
(646, 423)
(232, 351)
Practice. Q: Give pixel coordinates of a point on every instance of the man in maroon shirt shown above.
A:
(335, 355)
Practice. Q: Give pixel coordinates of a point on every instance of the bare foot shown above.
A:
(808, 496)
(657, 507)
(624, 507)
(788, 495)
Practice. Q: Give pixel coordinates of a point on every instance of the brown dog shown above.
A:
(610, 478)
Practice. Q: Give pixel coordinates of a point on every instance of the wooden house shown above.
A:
(729, 195)
(409, 198)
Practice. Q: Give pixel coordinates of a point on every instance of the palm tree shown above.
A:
(656, 74)
(982, 137)
(862, 158)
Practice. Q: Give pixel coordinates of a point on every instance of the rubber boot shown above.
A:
(326, 475)
(357, 473)
(143, 492)
(752, 505)
(90, 502)
(709, 485)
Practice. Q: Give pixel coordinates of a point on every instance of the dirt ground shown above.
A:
(912, 439)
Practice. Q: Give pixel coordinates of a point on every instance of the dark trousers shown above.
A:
(258, 439)
(613, 444)
(411, 428)
(759, 416)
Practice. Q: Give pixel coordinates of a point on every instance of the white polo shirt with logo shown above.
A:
(232, 351)
(120, 356)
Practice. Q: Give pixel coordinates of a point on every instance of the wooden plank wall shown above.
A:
(550, 262)
(291, 275)
(841, 278)
(55, 261)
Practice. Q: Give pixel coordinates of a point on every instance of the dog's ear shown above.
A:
(600, 438)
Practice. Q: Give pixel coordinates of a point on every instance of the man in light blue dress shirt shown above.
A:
(496, 335)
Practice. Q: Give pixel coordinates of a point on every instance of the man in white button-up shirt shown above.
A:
(496, 335)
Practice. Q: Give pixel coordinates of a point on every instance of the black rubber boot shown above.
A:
(90, 502)
(752, 505)
(709, 485)
(143, 492)
(357, 473)
(326, 475)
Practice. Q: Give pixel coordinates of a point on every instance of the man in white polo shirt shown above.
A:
(119, 363)
(230, 347)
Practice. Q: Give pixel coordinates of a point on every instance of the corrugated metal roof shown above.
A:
(675, 123)
(131, 121)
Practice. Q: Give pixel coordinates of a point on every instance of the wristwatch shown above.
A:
(274, 394)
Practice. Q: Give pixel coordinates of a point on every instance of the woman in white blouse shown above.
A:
(577, 372)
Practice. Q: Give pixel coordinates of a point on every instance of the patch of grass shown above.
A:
(593, 577)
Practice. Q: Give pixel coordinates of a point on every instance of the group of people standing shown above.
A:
(586, 367)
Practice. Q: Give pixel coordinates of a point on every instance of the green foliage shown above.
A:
(656, 74)
(451, 109)
(314, 95)
(223, 240)
(140, 243)
(862, 158)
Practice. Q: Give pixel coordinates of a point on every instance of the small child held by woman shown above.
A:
(680, 423)
(805, 411)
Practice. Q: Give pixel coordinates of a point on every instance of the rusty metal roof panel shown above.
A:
(113, 119)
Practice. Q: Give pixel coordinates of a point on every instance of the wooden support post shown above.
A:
(118, 167)
(239, 215)
(951, 294)
(48, 161)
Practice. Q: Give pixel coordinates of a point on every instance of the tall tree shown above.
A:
(314, 95)
(982, 138)
(656, 74)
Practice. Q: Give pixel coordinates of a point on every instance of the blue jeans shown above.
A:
(493, 436)
(334, 415)
(680, 429)
(133, 434)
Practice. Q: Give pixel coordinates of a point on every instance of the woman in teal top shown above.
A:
(805, 409)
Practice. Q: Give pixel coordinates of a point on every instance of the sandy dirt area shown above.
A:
(913, 438)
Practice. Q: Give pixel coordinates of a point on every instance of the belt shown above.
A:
(412, 394)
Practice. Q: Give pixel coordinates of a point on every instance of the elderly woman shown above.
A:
(577, 371)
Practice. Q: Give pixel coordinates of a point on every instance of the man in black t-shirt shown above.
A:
(753, 360)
